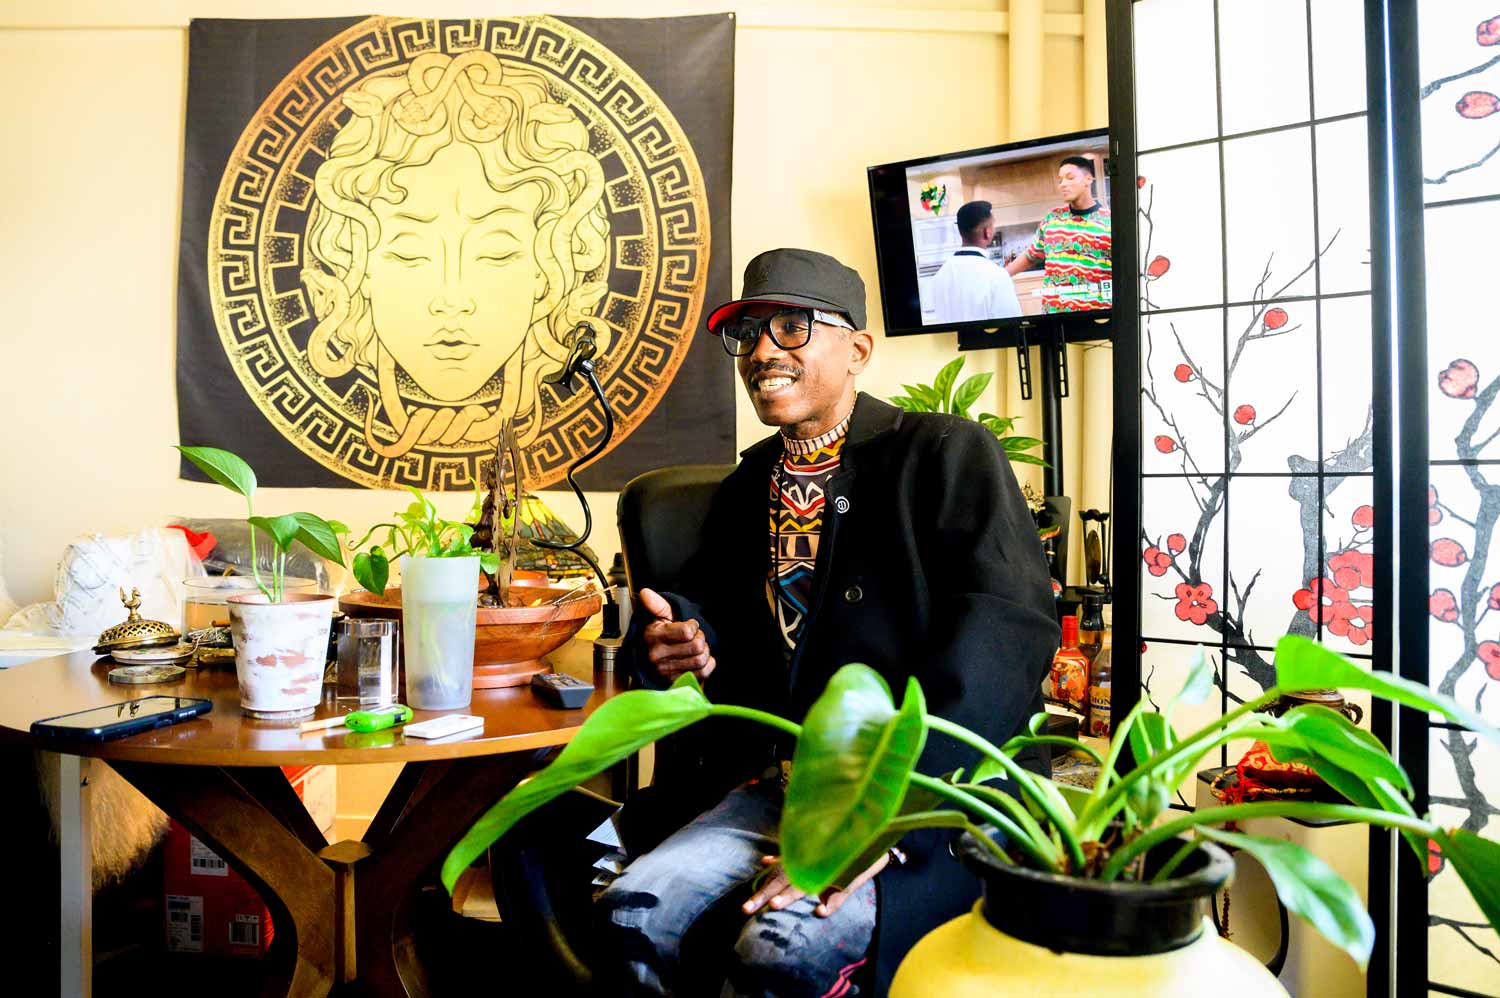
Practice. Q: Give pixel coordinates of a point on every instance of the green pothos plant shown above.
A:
(948, 394)
(855, 790)
(318, 535)
(420, 532)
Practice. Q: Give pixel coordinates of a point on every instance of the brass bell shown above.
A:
(136, 631)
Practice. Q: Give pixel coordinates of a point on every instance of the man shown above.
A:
(1072, 243)
(970, 286)
(895, 539)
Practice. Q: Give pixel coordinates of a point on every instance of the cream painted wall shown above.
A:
(91, 214)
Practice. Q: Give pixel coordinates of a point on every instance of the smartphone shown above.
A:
(130, 717)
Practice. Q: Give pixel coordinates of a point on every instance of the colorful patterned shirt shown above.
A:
(1074, 247)
(798, 482)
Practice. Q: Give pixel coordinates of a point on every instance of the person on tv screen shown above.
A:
(970, 286)
(1072, 243)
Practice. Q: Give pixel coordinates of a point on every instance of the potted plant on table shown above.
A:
(1100, 882)
(280, 638)
(439, 598)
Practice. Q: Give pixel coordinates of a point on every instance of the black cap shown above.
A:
(800, 279)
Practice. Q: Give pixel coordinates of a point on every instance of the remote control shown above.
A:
(562, 690)
(442, 727)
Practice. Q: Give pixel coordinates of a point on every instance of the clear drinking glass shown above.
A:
(439, 603)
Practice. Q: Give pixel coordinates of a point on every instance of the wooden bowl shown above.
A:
(509, 642)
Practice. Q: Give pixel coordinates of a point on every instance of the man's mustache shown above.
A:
(764, 367)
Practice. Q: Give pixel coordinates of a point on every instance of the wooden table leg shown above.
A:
(411, 847)
(245, 827)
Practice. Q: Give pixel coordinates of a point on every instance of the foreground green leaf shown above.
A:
(1477, 863)
(621, 727)
(1302, 664)
(372, 570)
(849, 774)
(1310, 889)
(229, 470)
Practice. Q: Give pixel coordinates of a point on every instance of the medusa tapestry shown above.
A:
(395, 230)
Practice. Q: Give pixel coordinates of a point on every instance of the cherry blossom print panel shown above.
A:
(1268, 211)
(1338, 30)
(1272, 374)
(1182, 558)
(1463, 348)
(1348, 426)
(1263, 53)
(1460, 99)
(1343, 206)
(1174, 72)
(1181, 239)
(1182, 386)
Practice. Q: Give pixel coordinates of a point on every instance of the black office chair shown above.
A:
(535, 868)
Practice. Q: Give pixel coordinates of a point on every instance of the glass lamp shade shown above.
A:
(537, 522)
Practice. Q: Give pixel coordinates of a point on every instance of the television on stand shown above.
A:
(995, 242)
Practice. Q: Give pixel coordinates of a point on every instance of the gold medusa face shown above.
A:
(435, 230)
(453, 278)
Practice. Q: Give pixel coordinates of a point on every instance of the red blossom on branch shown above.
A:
(1448, 552)
(1434, 514)
(1274, 318)
(1364, 516)
(1140, 182)
(1195, 603)
(1489, 654)
(1244, 415)
(1183, 373)
(1165, 444)
(1158, 266)
(1157, 561)
(1488, 32)
(1494, 600)
(1351, 621)
(1435, 859)
(1477, 104)
(1352, 569)
(1176, 543)
(1319, 600)
(1459, 379)
(1443, 606)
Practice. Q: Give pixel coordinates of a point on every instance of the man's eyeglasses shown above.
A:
(790, 329)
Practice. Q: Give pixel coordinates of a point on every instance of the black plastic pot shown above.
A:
(1116, 918)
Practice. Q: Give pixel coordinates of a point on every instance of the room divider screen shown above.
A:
(1303, 346)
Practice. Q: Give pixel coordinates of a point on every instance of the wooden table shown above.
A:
(341, 911)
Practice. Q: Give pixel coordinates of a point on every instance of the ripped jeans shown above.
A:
(709, 864)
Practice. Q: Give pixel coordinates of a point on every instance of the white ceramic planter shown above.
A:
(439, 601)
(280, 652)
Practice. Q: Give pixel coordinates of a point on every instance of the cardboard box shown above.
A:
(210, 908)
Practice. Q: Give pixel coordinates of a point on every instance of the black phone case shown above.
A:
(190, 708)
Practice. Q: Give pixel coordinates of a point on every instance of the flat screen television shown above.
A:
(993, 238)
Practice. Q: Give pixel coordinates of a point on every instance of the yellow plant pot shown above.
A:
(969, 958)
(1038, 935)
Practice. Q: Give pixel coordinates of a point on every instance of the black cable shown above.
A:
(586, 368)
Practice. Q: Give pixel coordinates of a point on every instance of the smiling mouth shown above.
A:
(770, 386)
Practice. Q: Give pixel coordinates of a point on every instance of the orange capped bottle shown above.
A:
(1067, 684)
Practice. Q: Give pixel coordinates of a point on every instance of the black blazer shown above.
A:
(928, 566)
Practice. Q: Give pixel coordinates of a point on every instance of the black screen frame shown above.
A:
(895, 253)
